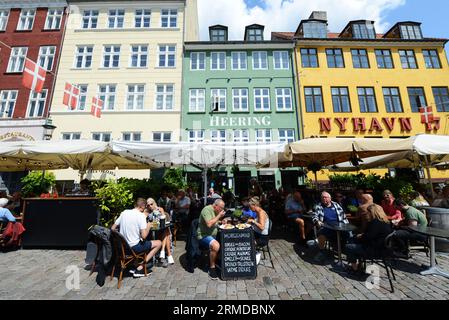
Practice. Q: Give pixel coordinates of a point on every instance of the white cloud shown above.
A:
(285, 15)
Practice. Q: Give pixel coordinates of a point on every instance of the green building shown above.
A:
(240, 91)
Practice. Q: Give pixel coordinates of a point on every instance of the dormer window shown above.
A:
(314, 29)
(254, 33)
(412, 32)
(363, 31)
(218, 33)
(407, 30)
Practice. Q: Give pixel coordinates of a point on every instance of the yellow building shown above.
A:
(129, 54)
(359, 83)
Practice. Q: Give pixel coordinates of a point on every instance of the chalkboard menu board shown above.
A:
(238, 254)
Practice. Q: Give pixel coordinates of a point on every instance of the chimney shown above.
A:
(319, 15)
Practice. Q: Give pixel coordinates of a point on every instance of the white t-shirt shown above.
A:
(131, 222)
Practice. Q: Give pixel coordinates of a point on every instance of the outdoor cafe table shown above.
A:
(340, 227)
(432, 233)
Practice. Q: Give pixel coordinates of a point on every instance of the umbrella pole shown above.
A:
(429, 177)
(205, 185)
(316, 180)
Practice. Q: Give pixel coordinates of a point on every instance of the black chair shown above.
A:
(266, 248)
(125, 256)
(384, 259)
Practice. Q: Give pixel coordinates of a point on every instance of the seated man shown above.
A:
(14, 203)
(443, 200)
(207, 232)
(182, 207)
(135, 229)
(413, 217)
(5, 214)
(327, 212)
(294, 209)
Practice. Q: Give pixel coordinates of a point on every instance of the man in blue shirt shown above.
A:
(328, 212)
(294, 209)
(5, 214)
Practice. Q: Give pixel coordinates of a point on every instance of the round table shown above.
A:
(340, 227)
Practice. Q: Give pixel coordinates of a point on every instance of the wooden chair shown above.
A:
(125, 256)
(2, 228)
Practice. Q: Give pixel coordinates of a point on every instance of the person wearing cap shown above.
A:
(5, 214)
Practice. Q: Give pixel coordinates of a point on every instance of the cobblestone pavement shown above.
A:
(41, 274)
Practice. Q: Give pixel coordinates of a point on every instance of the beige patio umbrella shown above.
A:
(322, 152)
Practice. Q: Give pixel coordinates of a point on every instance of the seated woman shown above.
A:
(261, 223)
(393, 214)
(152, 208)
(372, 242)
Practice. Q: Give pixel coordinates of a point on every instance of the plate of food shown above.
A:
(242, 226)
(227, 227)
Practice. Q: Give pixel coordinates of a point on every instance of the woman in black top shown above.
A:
(372, 242)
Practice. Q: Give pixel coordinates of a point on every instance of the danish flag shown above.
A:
(97, 105)
(71, 96)
(33, 76)
(426, 115)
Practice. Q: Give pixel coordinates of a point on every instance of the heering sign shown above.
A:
(222, 122)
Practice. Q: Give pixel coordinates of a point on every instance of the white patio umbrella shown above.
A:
(80, 155)
(203, 155)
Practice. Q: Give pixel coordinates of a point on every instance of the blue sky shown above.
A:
(432, 13)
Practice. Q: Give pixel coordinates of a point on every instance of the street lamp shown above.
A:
(49, 128)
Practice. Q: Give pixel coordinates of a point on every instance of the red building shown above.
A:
(33, 30)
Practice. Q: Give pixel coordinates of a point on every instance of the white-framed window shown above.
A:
(197, 100)
(196, 136)
(281, 60)
(111, 56)
(263, 135)
(135, 97)
(17, 59)
(83, 57)
(287, 135)
(107, 93)
(240, 100)
(71, 136)
(26, 19)
(139, 56)
(239, 60)
(90, 19)
(198, 61)
(36, 104)
(260, 61)
(54, 19)
(82, 100)
(218, 61)
(116, 18)
(169, 18)
(162, 136)
(167, 56)
(218, 136)
(101, 136)
(8, 100)
(218, 98)
(47, 57)
(4, 15)
(240, 135)
(142, 18)
(132, 136)
(284, 99)
(165, 94)
(261, 99)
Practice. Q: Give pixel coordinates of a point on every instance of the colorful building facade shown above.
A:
(240, 91)
(33, 30)
(359, 83)
(129, 54)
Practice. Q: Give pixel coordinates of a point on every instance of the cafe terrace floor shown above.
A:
(41, 274)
